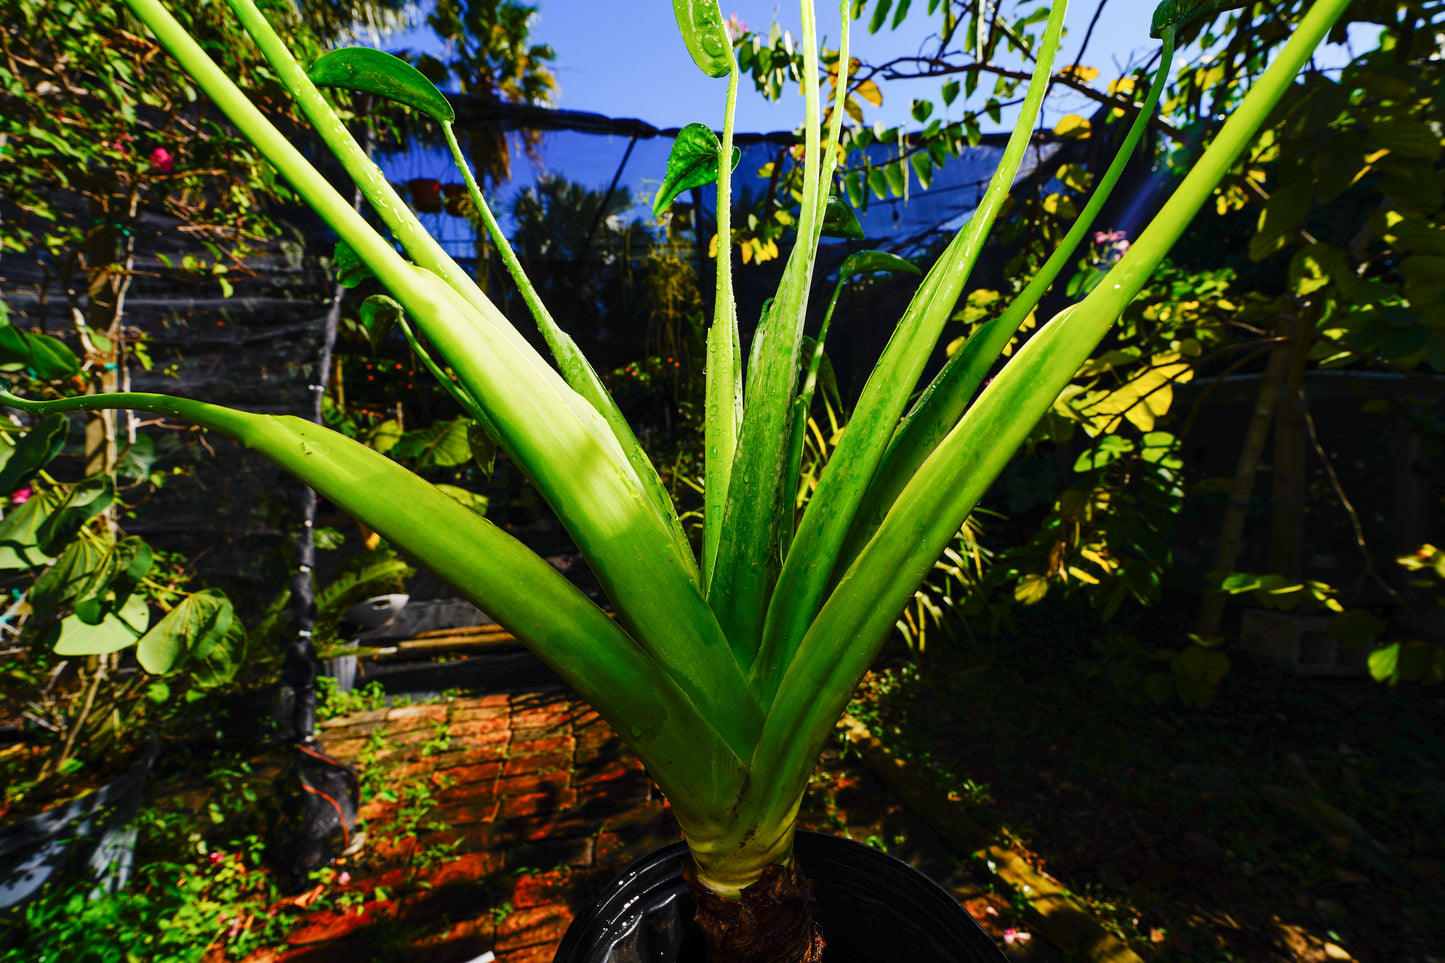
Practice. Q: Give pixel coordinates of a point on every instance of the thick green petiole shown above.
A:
(804, 578)
(559, 439)
(723, 399)
(852, 624)
(576, 369)
(944, 401)
(760, 496)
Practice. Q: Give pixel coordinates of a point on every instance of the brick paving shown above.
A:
(492, 819)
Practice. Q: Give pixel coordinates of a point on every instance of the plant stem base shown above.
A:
(771, 923)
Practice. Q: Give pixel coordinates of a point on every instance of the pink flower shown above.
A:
(735, 26)
(1109, 237)
(1011, 936)
(22, 496)
(216, 857)
(162, 160)
(344, 878)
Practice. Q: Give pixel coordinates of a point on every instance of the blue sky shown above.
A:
(627, 60)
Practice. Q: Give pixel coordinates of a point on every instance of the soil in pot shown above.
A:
(873, 908)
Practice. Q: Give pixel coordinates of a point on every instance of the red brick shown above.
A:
(475, 713)
(632, 790)
(518, 764)
(539, 889)
(473, 810)
(603, 770)
(536, 803)
(533, 926)
(551, 718)
(344, 748)
(539, 953)
(355, 718)
(585, 716)
(470, 756)
(551, 853)
(433, 713)
(330, 925)
(522, 746)
(495, 737)
(475, 727)
(533, 782)
(462, 942)
(495, 699)
(465, 868)
(471, 775)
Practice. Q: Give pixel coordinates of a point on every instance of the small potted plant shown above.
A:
(726, 670)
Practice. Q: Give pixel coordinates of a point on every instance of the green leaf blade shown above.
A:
(692, 162)
(370, 71)
(701, 25)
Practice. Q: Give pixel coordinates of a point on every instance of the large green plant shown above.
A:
(726, 675)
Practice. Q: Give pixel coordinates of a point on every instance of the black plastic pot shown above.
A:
(873, 909)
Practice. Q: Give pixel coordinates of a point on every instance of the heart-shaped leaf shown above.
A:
(197, 623)
(443, 444)
(372, 71)
(1175, 15)
(840, 221)
(33, 452)
(126, 563)
(219, 664)
(82, 503)
(379, 314)
(115, 632)
(17, 534)
(701, 25)
(691, 163)
(862, 262)
(477, 503)
(69, 577)
(484, 448)
(383, 437)
(50, 358)
(351, 270)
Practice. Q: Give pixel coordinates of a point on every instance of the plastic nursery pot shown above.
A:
(89, 832)
(873, 908)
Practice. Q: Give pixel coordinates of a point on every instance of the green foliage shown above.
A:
(692, 162)
(728, 676)
(370, 71)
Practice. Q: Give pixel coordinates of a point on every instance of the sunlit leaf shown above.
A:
(196, 624)
(701, 25)
(840, 221)
(692, 162)
(115, 632)
(862, 262)
(371, 71)
(379, 314)
(36, 449)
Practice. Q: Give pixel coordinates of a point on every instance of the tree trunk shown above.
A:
(1211, 612)
(1291, 461)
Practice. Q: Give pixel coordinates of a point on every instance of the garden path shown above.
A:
(493, 818)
